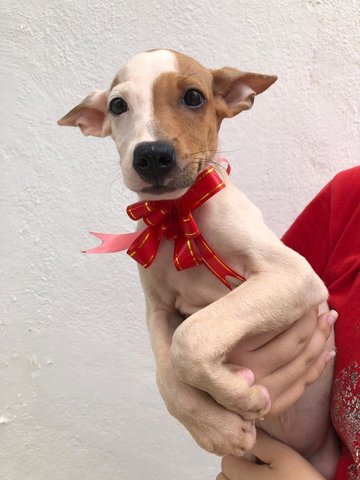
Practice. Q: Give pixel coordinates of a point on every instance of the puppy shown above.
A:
(164, 111)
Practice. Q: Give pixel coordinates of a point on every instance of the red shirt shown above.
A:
(327, 234)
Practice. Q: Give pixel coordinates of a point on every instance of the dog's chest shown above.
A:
(221, 224)
(188, 290)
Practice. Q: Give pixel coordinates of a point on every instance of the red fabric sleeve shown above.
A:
(309, 234)
(327, 234)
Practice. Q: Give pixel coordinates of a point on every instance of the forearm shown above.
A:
(161, 323)
(267, 301)
(279, 463)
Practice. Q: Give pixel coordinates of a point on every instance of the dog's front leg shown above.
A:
(266, 302)
(214, 428)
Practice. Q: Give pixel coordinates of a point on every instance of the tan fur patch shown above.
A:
(193, 131)
(119, 78)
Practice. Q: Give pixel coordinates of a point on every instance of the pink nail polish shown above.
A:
(332, 317)
(329, 356)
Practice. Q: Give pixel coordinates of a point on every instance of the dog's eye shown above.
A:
(193, 98)
(118, 106)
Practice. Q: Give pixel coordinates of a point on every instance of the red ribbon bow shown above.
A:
(172, 219)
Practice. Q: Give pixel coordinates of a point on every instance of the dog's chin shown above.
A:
(161, 192)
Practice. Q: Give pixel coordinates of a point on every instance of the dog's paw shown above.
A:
(231, 387)
(216, 429)
(251, 403)
(233, 436)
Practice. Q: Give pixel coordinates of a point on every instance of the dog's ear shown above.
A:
(90, 115)
(235, 90)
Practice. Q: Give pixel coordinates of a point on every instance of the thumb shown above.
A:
(235, 468)
(268, 449)
(282, 460)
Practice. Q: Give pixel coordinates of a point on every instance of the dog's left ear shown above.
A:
(90, 115)
(235, 90)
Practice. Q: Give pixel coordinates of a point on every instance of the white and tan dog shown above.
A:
(164, 110)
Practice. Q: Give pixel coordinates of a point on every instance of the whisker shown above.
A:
(204, 161)
(213, 151)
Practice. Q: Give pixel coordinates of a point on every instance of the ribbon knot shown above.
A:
(173, 220)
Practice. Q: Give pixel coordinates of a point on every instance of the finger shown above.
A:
(267, 448)
(273, 353)
(284, 402)
(288, 345)
(253, 342)
(326, 322)
(319, 366)
(280, 458)
(236, 468)
(283, 378)
(296, 391)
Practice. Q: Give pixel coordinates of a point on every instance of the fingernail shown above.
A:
(332, 317)
(266, 397)
(329, 356)
(247, 375)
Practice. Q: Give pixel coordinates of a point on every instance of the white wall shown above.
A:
(78, 398)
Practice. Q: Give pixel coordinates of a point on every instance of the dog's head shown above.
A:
(164, 110)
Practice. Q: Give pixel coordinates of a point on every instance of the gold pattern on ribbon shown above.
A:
(191, 252)
(148, 262)
(209, 193)
(239, 277)
(213, 271)
(141, 245)
(177, 262)
(129, 211)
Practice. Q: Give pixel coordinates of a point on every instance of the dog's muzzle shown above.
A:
(153, 161)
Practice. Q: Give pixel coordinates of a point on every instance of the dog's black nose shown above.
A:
(154, 160)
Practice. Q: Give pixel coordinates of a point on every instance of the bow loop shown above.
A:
(140, 210)
(186, 254)
(155, 218)
(189, 226)
(146, 246)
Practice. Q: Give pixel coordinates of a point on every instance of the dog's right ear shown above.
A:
(90, 115)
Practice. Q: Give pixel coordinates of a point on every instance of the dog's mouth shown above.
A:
(158, 189)
(176, 185)
(180, 183)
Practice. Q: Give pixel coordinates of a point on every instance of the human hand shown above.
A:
(280, 463)
(285, 364)
(278, 366)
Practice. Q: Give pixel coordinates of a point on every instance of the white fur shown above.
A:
(138, 123)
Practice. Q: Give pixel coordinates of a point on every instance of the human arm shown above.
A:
(289, 362)
(280, 463)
